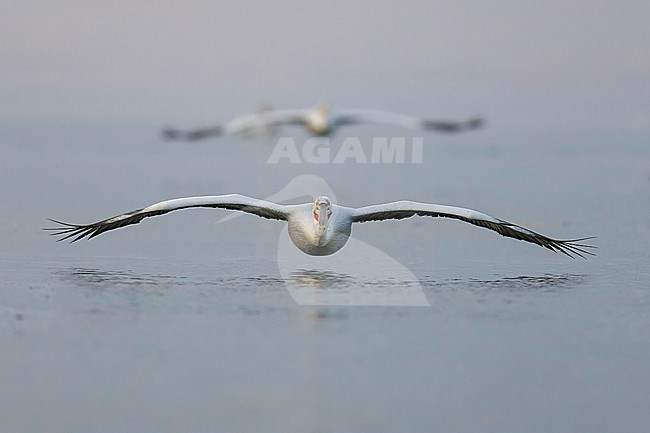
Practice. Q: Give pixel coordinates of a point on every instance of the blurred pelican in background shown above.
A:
(319, 121)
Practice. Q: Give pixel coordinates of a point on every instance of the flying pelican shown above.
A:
(322, 228)
(319, 121)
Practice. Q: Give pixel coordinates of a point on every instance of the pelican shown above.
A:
(319, 121)
(322, 228)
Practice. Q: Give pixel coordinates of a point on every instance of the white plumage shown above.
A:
(320, 121)
(322, 228)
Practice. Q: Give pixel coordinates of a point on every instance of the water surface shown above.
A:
(179, 324)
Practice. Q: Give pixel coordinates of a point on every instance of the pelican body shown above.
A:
(322, 228)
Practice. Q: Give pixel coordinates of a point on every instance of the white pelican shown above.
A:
(319, 121)
(322, 228)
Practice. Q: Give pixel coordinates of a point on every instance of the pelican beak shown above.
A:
(323, 215)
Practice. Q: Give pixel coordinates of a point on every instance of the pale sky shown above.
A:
(170, 59)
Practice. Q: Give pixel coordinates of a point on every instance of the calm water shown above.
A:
(179, 324)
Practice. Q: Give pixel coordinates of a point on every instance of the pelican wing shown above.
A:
(350, 117)
(242, 124)
(407, 209)
(265, 119)
(231, 202)
(192, 135)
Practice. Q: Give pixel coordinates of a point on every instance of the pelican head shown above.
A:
(322, 212)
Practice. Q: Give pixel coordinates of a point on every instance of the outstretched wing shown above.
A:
(192, 135)
(350, 117)
(407, 209)
(449, 126)
(231, 202)
(249, 123)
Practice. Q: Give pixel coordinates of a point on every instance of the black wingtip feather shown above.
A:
(68, 230)
(572, 248)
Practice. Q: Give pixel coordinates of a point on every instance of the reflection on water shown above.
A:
(521, 283)
(525, 283)
(320, 279)
(547, 282)
(120, 278)
(307, 286)
(108, 278)
(323, 296)
(310, 316)
(315, 287)
(505, 298)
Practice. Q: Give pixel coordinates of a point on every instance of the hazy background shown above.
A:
(543, 66)
(182, 325)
